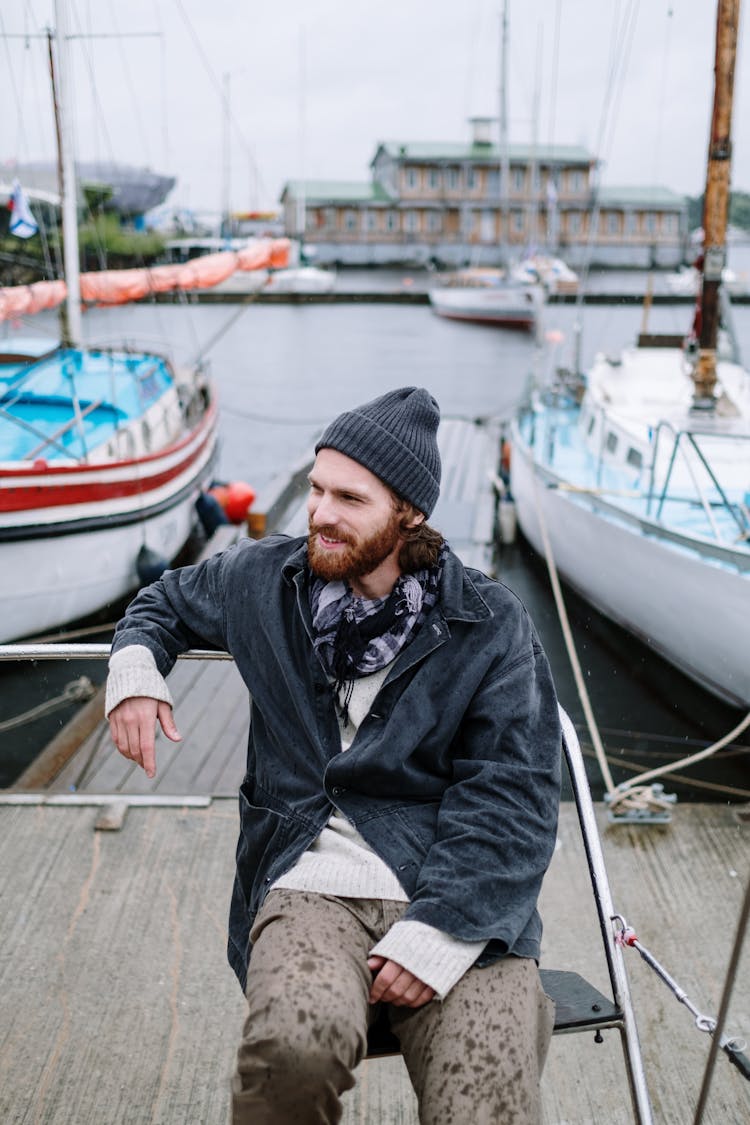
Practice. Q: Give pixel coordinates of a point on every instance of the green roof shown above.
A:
(641, 196)
(451, 150)
(335, 191)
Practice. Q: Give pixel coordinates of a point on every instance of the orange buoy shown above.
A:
(239, 497)
(220, 493)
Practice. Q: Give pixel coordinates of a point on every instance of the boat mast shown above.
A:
(71, 324)
(716, 201)
(504, 179)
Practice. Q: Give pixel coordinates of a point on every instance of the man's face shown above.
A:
(353, 525)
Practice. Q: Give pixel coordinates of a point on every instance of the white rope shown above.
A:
(75, 691)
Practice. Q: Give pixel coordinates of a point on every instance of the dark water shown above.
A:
(283, 370)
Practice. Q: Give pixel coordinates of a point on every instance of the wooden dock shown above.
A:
(118, 1006)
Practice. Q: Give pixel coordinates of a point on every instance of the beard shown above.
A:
(359, 558)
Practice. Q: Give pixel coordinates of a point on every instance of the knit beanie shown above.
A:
(395, 437)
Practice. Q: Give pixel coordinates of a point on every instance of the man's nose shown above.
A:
(323, 510)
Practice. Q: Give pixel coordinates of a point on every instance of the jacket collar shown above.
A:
(459, 598)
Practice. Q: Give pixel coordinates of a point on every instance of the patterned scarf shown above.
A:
(357, 636)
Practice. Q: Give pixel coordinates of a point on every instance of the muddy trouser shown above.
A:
(474, 1058)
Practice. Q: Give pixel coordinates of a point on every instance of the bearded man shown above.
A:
(400, 803)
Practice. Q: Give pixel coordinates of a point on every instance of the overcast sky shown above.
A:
(314, 85)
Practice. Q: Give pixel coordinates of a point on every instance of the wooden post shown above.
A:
(716, 200)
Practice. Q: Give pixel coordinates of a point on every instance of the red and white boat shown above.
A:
(102, 457)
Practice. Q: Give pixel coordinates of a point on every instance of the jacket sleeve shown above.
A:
(184, 609)
(497, 820)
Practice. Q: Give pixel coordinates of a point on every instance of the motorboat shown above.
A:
(488, 296)
(301, 279)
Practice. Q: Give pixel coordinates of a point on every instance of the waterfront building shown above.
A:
(446, 205)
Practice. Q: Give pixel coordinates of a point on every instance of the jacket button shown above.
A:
(338, 790)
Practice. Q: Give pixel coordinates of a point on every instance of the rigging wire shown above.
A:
(216, 83)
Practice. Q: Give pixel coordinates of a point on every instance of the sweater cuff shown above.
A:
(132, 672)
(436, 958)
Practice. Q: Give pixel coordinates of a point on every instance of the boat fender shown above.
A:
(150, 565)
(210, 512)
(240, 497)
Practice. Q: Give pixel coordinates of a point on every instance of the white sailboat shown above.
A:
(500, 297)
(637, 478)
(103, 453)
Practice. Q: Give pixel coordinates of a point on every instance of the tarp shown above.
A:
(118, 287)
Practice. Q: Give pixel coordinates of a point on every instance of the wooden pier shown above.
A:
(118, 1006)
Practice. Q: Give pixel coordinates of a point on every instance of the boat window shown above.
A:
(635, 458)
(590, 427)
(611, 442)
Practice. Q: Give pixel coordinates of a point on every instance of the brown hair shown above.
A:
(422, 543)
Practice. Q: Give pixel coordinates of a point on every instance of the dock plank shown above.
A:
(119, 1007)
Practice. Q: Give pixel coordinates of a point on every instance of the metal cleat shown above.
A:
(640, 804)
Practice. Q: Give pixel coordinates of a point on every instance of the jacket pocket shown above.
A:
(419, 824)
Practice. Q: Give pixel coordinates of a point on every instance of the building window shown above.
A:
(669, 224)
(434, 222)
(391, 221)
(631, 223)
(469, 223)
(613, 223)
(472, 179)
(650, 219)
(350, 220)
(519, 179)
(517, 223)
(493, 183)
(370, 220)
(453, 177)
(330, 217)
(575, 181)
(433, 179)
(575, 222)
(411, 221)
(412, 178)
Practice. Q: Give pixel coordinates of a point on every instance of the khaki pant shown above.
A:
(474, 1058)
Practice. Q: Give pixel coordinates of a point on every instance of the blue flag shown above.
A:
(22, 222)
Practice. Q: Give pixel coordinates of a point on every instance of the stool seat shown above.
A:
(578, 1007)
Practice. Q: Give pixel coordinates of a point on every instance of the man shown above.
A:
(400, 804)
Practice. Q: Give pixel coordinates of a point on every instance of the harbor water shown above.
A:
(283, 370)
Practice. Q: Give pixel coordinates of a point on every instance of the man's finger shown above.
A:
(166, 718)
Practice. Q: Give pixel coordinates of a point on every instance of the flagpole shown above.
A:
(72, 331)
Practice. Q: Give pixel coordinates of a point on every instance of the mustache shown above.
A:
(330, 531)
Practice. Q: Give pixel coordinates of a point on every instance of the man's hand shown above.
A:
(132, 725)
(395, 985)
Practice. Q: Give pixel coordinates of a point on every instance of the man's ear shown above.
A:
(416, 519)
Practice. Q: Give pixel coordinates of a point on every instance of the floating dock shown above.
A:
(118, 1004)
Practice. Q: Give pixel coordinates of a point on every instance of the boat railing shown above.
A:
(680, 439)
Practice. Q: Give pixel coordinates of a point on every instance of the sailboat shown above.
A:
(494, 296)
(103, 453)
(636, 477)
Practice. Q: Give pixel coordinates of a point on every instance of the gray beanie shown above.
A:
(395, 437)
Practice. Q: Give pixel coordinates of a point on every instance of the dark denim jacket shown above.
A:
(453, 777)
